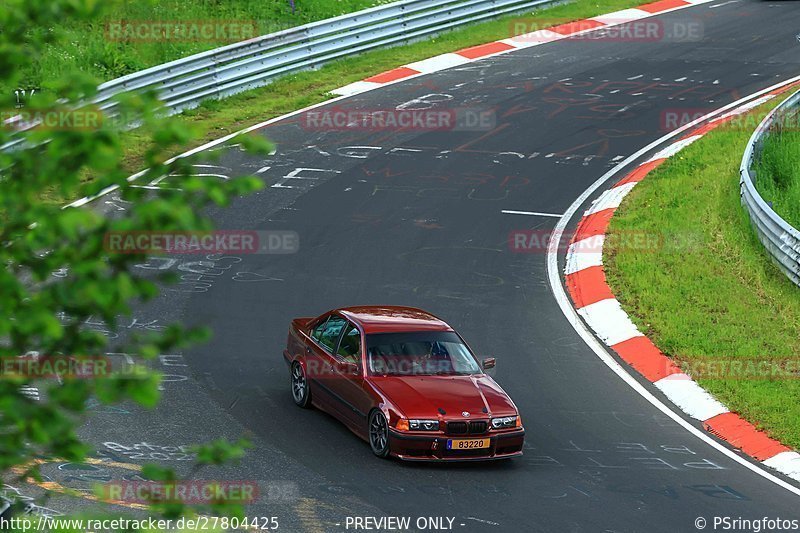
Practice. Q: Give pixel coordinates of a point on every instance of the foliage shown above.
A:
(46, 314)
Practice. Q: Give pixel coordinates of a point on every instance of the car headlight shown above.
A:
(423, 425)
(504, 422)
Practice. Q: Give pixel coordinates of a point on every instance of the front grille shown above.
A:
(473, 427)
(477, 427)
(457, 428)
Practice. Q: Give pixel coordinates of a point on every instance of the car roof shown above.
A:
(393, 319)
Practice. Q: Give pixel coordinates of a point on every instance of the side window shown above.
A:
(317, 331)
(330, 332)
(350, 346)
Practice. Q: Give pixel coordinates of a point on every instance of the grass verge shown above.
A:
(778, 171)
(130, 36)
(720, 299)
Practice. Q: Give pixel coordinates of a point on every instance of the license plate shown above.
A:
(467, 444)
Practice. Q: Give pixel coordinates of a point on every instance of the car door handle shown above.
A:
(308, 349)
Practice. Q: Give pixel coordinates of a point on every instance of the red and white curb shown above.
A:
(585, 281)
(535, 38)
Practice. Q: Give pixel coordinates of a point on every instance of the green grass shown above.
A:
(214, 119)
(90, 46)
(778, 172)
(718, 298)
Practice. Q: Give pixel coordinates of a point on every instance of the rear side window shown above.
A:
(327, 334)
(317, 331)
(350, 345)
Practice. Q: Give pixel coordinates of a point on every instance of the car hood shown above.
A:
(423, 396)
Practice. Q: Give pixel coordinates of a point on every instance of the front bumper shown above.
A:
(417, 447)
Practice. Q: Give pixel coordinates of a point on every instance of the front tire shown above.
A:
(378, 434)
(300, 391)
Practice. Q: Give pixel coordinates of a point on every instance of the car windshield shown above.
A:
(428, 353)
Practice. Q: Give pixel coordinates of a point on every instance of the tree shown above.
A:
(45, 314)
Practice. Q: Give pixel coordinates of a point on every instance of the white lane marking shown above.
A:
(201, 175)
(622, 17)
(533, 38)
(531, 213)
(554, 278)
(155, 188)
(723, 4)
(489, 522)
(674, 148)
(786, 462)
(356, 87)
(747, 107)
(609, 321)
(585, 253)
(436, 63)
(695, 401)
(611, 198)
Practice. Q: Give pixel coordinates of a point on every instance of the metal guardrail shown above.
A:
(238, 67)
(185, 83)
(781, 240)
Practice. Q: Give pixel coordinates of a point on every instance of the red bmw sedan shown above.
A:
(404, 381)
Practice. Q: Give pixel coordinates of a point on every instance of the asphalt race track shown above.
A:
(416, 218)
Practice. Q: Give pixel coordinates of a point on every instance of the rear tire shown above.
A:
(300, 391)
(378, 431)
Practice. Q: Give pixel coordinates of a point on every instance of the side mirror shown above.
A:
(489, 362)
